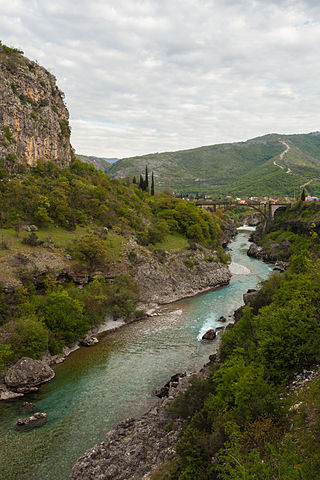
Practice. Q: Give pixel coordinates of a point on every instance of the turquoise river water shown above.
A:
(98, 386)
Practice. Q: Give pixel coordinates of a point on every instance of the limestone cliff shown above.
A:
(33, 117)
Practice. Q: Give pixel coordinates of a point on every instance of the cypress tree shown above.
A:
(134, 180)
(152, 184)
(146, 182)
(303, 195)
(141, 183)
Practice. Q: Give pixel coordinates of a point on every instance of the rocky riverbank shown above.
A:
(135, 448)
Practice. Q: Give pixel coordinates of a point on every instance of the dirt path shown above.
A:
(282, 154)
(308, 183)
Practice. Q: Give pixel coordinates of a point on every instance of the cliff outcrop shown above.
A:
(34, 121)
(161, 276)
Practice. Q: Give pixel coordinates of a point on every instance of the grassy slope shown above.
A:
(238, 168)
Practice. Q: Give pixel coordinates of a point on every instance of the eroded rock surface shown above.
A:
(136, 446)
(36, 420)
(33, 117)
(26, 374)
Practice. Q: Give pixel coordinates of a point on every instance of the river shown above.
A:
(98, 386)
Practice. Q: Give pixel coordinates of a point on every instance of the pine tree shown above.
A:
(134, 180)
(152, 184)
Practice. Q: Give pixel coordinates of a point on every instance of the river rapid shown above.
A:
(97, 387)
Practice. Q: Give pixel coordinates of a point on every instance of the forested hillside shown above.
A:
(269, 165)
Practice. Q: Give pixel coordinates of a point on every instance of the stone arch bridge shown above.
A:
(266, 210)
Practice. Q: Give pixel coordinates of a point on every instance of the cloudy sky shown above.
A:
(145, 76)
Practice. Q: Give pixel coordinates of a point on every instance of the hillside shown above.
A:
(98, 162)
(270, 165)
(34, 121)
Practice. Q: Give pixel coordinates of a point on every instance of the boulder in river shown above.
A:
(36, 420)
(29, 407)
(250, 295)
(88, 341)
(209, 335)
(220, 329)
(255, 251)
(27, 373)
(222, 319)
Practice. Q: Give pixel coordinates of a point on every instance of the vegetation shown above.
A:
(81, 212)
(240, 424)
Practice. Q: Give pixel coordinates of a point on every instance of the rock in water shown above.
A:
(209, 335)
(29, 407)
(88, 341)
(250, 296)
(27, 373)
(36, 420)
(222, 319)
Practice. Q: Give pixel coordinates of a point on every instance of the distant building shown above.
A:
(312, 199)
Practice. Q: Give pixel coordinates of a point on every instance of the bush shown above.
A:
(90, 249)
(64, 317)
(32, 240)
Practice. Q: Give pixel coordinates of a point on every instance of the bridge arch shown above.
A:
(246, 205)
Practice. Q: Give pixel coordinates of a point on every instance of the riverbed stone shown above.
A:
(209, 335)
(249, 296)
(88, 341)
(36, 420)
(26, 374)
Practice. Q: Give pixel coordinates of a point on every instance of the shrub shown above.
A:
(8, 134)
(32, 240)
(90, 249)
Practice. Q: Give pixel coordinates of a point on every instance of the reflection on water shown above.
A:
(101, 385)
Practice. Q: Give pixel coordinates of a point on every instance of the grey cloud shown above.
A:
(146, 76)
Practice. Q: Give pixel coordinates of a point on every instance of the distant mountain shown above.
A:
(269, 165)
(110, 160)
(99, 162)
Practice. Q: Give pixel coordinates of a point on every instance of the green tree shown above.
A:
(152, 184)
(29, 338)
(64, 317)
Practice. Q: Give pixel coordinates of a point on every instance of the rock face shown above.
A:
(252, 220)
(135, 447)
(174, 275)
(36, 420)
(6, 394)
(33, 117)
(25, 375)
